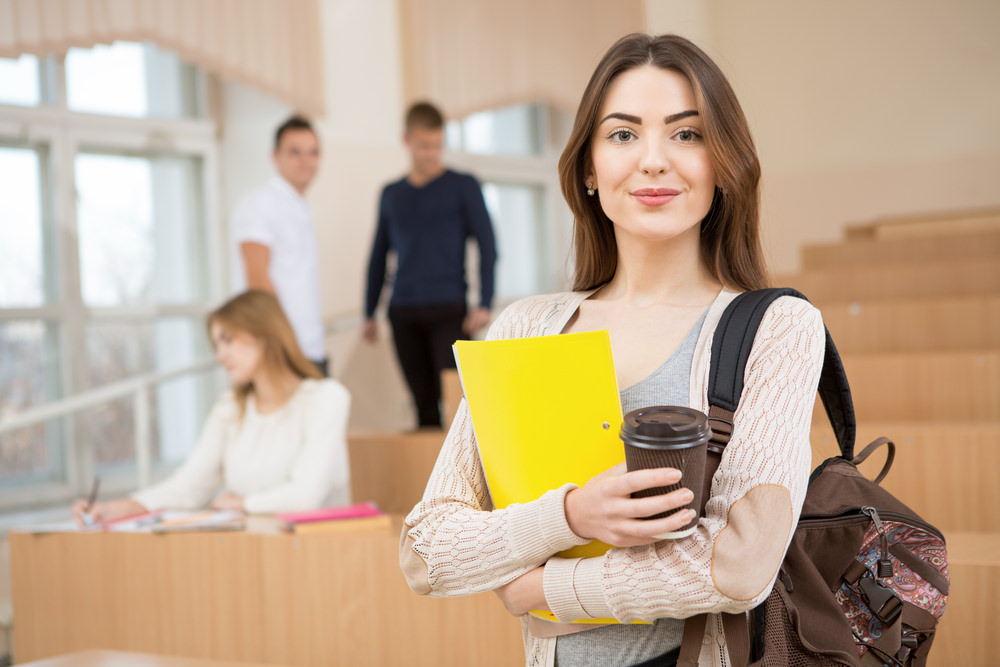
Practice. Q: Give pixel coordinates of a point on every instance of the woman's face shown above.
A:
(239, 352)
(649, 162)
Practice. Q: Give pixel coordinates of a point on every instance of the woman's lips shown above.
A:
(655, 196)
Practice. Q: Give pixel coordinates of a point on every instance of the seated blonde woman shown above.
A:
(275, 442)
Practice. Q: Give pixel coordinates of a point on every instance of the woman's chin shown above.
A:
(238, 378)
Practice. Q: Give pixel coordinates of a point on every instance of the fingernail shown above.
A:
(674, 476)
(688, 495)
(693, 513)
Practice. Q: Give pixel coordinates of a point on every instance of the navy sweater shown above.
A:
(427, 227)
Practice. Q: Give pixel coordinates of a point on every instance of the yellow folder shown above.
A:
(546, 411)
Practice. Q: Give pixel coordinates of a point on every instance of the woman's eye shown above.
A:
(687, 136)
(621, 136)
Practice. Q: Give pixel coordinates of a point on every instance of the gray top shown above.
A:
(625, 645)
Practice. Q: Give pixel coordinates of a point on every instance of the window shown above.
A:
(25, 239)
(29, 344)
(20, 82)
(117, 80)
(118, 349)
(514, 153)
(29, 376)
(104, 261)
(518, 214)
(140, 228)
(513, 130)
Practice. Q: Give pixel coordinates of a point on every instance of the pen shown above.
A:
(87, 519)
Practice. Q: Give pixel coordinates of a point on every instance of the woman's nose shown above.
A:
(654, 159)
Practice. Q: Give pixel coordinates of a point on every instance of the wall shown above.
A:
(859, 109)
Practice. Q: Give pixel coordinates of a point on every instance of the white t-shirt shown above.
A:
(277, 216)
(294, 458)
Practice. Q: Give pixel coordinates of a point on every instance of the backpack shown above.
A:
(865, 580)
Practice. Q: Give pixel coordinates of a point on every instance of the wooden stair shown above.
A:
(925, 386)
(941, 324)
(934, 225)
(914, 307)
(898, 281)
(880, 251)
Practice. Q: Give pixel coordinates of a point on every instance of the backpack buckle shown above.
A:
(721, 423)
(881, 600)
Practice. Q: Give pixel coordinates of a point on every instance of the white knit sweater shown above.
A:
(294, 458)
(456, 543)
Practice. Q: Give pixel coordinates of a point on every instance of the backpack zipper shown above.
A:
(857, 514)
(883, 568)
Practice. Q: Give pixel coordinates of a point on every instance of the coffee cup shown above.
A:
(668, 436)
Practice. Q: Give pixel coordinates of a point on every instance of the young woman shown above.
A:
(662, 177)
(275, 442)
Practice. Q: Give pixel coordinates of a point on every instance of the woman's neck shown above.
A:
(272, 390)
(667, 273)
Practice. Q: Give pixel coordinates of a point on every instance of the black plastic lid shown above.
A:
(665, 427)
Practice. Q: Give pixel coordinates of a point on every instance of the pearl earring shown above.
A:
(590, 191)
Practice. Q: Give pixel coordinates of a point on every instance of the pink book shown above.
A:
(356, 511)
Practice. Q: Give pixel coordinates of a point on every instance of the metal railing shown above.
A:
(139, 388)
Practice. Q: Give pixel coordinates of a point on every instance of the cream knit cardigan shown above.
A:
(455, 543)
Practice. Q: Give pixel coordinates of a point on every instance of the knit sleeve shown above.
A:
(730, 563)
(454, 542)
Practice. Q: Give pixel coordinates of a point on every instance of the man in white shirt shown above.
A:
(274, 229)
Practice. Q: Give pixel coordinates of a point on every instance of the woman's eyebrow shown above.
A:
(680, 116)
(635, 120)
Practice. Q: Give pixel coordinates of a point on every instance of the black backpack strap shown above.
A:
(731, 345)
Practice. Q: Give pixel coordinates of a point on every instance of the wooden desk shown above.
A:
(257, 596)
(129, 659)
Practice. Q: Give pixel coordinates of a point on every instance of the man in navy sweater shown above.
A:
(426, 218)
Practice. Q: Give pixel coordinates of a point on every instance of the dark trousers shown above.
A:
(424, 336)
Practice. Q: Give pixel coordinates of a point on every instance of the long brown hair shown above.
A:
(259, 314)
(730, 233)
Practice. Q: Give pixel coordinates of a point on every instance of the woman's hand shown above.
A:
(603, 508)
(524, 594)
(104, 511)
(227, 501)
